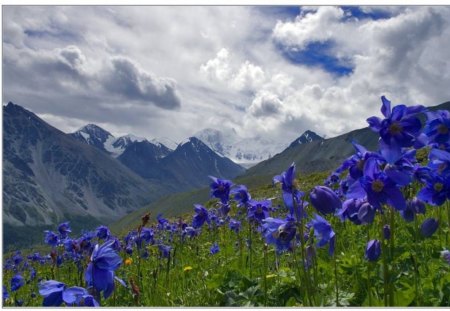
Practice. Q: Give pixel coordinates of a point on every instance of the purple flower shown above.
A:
(445, 255)
(78, 296)
(378, 187)
(100, 271)
(373, 250)
(17, 282)
(147, 235)
(437, 127)
(5, 294)
(325, 200)
(200, 217)
(400, 127)
(436, 190)
(214, 249)
(413, 207)
(52, 292)
(102, 232)
(350, 210)
(279, 232)
(429, 227)
(366, 213)
(220, 188)
(324, 232)
(241, 195)
(51, 238)
(164, 250)
(235, 225)
(291, 195)
(258, 210)
(64, 229)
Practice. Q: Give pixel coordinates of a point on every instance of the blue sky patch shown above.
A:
(318, 54)
(357, 12)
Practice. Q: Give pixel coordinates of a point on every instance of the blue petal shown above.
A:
(386, 107)
(73, 294)
(396, 199)
(48, 287)
(53, 300)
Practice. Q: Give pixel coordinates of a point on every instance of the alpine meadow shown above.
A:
(280, 156)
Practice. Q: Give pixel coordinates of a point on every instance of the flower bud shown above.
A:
(373, 250)
(325, 200)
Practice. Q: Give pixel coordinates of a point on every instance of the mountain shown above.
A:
(244, 151)
(193, 161)
(185, 167)
(142, 157)
(50, 176)
(306, 137)
(93, 135)
(320, 155)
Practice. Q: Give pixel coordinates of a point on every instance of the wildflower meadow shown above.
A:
(375, 232)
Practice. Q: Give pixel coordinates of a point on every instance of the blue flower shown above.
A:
(324, 232)
(373, 250)
(235, 225)
(220, 188)
(100, 271)
(147, 235)
(241, 195)
(437, 127)
(102, 232)
(279, 232)
(78, 296)
(350, 210)
(378, 187)
(5, 293)
(446, 255)
(214, 249)
(164, 250)
(436, 190)
(291, 195)
(400, 127)
(429, 227)
(64, 229)
(200, 217)
(258, 210)
(52, 292)
(325, 200)
(17, 282)
(366, 213)
(51, 238)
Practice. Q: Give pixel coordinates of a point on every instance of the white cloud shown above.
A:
(221, 66)
(310, 27)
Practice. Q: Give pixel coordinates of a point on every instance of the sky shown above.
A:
(259, 71)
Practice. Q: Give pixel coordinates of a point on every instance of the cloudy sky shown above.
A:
(262, 71)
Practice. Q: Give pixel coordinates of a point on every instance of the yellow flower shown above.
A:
(187, 268)
(128, 261)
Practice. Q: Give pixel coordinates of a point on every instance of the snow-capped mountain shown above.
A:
(105, 141)
(244, 151)
(306, 137)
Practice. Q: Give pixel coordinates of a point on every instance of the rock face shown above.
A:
(49, 176)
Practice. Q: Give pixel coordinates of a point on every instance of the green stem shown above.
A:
(250, 248)
(336, 280)
(265, 275)
(392, 251)
(416, 269)
(369, 268)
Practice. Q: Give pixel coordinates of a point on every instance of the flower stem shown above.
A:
(369, 267)
(336, 280)
(392, 253)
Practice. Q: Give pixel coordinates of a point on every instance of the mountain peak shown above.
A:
(307, 137)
